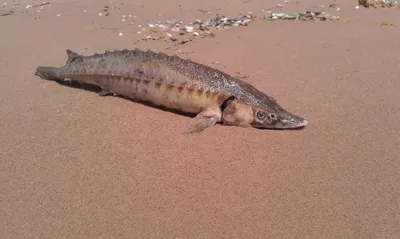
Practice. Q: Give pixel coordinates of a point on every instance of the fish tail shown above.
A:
(50, 73)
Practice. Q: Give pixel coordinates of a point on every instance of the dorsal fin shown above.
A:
(72, 56)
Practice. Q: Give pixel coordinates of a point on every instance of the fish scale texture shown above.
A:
(172, 70)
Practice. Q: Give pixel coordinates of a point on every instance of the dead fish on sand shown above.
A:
(175, 83)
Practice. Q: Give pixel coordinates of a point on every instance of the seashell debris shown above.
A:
(380, 3)
(306, 16)
(201, 27)
(181, 33)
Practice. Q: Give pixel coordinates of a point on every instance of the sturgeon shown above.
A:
(180, 84)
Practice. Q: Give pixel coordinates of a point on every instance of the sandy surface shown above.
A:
(76, 165)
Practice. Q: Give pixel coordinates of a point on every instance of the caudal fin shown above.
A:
(49, 73)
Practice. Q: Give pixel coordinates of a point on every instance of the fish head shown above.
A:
(263, 116)
(277, 119)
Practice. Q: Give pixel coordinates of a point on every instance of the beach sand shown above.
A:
(77, 165)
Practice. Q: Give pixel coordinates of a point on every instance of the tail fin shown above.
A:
(49, 73)
(52, 73)
(72, 56)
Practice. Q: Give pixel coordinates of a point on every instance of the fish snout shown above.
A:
(291, 121)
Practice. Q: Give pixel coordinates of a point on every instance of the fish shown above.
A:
(211, 95)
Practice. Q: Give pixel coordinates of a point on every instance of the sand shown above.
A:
(76, 165)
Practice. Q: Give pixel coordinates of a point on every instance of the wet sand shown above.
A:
(76, 165)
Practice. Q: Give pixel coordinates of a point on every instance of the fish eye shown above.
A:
(260, 115)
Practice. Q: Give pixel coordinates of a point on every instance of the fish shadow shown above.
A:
(97, 90)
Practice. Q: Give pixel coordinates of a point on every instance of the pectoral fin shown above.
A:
(205, 119)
